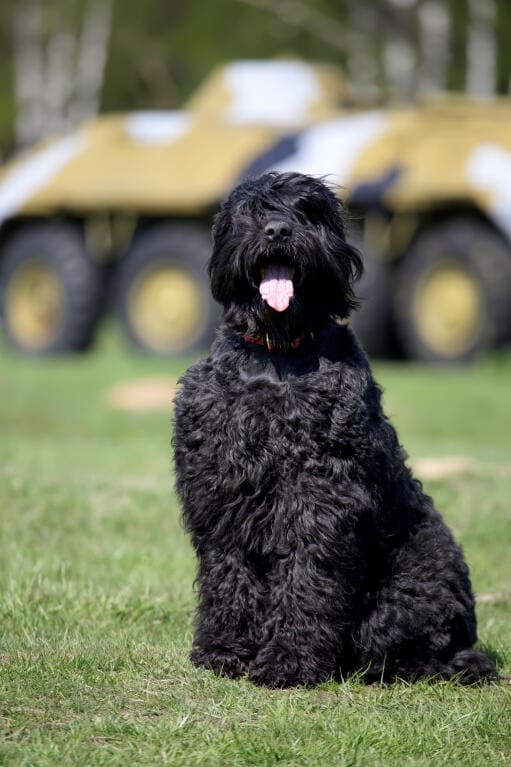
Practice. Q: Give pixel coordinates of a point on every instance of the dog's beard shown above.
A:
(282, 294)
(281, 328)
(276, 297)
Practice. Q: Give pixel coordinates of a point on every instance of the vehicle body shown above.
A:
(429, 190)
(122, 207)
(129, 200)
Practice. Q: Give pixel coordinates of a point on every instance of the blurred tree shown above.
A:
(503, 26)
(59, 57)
(364, 54)
(458, 12)
(160, 50)
(434, 53)
(481, 48)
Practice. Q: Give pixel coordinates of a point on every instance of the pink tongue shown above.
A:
(276, 287)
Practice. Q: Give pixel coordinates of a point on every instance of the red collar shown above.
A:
(266, 342)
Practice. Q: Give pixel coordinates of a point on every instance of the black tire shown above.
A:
(182, 316)
(478, 316)
(373, 321)
(38, 257)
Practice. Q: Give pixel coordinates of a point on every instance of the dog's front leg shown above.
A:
(229, 611)
(306, 622)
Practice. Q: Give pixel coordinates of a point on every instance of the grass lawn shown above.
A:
(96, 598)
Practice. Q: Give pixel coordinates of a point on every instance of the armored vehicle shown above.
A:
(117, 213)
(122, 208)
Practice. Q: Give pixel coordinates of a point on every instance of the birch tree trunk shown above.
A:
(481, 48)
(58, 73)
(92, 58)
(399, 52)
(27, 36)
(60, 56)
(362, 49)
(434, 28)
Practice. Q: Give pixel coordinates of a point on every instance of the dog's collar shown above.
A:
(267, 342)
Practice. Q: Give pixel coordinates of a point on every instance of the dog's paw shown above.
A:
(220, 661)
(277, 666)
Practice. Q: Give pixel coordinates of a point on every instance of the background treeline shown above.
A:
(63, 60)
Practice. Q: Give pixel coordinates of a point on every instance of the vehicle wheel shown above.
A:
(373, 321)
(453, 292)
(163, 297)
(49, 289)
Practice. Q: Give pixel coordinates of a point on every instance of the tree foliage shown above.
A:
(160, 50)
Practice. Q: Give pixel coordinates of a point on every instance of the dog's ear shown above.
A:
(354, 271)
(352, 253)
(214, 268)
(346, 267)
(224, 258)
(342, 259)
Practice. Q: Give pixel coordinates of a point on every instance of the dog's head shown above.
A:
(280, 261)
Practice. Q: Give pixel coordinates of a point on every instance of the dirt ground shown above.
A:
(142, 395)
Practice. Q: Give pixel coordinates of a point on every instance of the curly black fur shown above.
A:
(319, 553)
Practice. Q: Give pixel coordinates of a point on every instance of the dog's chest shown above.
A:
(275, 425)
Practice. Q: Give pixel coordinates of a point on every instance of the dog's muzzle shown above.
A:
(276, 287)
(277, 230)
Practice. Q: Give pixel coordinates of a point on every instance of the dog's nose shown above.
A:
(277, 230)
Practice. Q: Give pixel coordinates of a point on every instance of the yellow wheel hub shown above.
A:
(166, 308)
(448, 309)
(34, 305)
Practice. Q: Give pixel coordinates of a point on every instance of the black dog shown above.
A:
(319, 553)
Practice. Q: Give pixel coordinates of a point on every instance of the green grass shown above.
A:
(96, 596)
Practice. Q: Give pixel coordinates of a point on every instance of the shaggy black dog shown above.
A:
(319, 554)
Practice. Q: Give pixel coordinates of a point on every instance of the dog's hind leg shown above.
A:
(420, 621)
